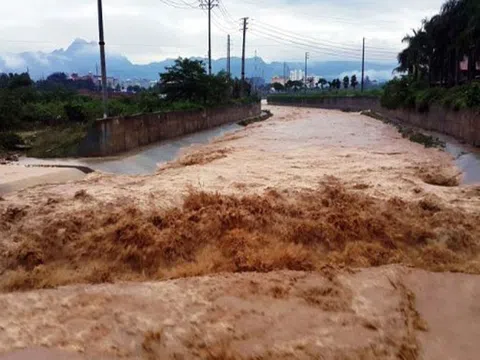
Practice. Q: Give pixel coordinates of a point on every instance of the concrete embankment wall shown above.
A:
(120, 134)
(334, 103)
(462, 124)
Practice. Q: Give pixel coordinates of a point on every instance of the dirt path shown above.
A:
(321, 192)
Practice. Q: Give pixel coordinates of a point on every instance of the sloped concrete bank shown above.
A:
(115, 135)
(463, 124)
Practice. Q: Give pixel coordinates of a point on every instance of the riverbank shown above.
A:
(459, 122)
(318, 192)
(15, 177)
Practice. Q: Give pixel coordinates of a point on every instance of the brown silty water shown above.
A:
(308, 190)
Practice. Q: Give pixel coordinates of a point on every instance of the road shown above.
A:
(340, 219)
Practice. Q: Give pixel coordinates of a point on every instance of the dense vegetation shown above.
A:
(53, 114)
(405, 92)
(440, 65)
(441, 61)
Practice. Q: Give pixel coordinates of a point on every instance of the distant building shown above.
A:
(278, 79)
(465, 63)
(297, 75)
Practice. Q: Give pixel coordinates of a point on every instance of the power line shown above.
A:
(306, 45)
(322, 43)
(301, 45)
(180, 4)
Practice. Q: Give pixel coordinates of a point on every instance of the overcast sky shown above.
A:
(150, 30)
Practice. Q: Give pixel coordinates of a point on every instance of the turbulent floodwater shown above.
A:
(147, 160)
(309, 189)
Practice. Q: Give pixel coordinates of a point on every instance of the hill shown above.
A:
(83, 56)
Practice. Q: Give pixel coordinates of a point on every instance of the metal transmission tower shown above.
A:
(245, 23)
(209, 5)
(363, 65)
(103, 62)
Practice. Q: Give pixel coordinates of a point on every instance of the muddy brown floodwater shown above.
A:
(315, 234)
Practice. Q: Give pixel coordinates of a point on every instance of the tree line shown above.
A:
(440, 64)
(436, 49)
(295, 85)
(57, 100)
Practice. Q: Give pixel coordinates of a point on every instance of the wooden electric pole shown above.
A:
(229, 69)
(103, 62)
(363, 65)
(242, 85)
(306, 70)
(209, 5)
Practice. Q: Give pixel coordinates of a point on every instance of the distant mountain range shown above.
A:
(82, 57)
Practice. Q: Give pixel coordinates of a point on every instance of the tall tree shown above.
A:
(322, 82)
(354, 81)
(346, 82)
(338, 84)
(185, 80)
(434, 51)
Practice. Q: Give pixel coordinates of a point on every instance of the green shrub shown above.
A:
(404, 93)
(8, 140)
(43, 114)
(473, 95)
(58, 141)
(398, 93)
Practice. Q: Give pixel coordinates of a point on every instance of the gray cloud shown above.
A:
(149, 30)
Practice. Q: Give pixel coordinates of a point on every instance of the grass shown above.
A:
(57, 141)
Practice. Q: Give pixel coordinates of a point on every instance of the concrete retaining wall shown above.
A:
(463, 124)
(120, 134)
(337, 103)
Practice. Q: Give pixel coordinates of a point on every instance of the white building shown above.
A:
(297, 75)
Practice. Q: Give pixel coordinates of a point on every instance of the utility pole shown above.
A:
(242, 86)
(363, 65)
(306, 69)
(255, 74)
(103, 62)
(229, 69)
(209, 5)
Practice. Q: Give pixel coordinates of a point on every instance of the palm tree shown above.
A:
(322, 82)
(414, 59)
(442, 42)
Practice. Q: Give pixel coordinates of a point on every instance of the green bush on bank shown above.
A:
(406, 93)
(58, 114)
(58, 141)
(9, 141)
